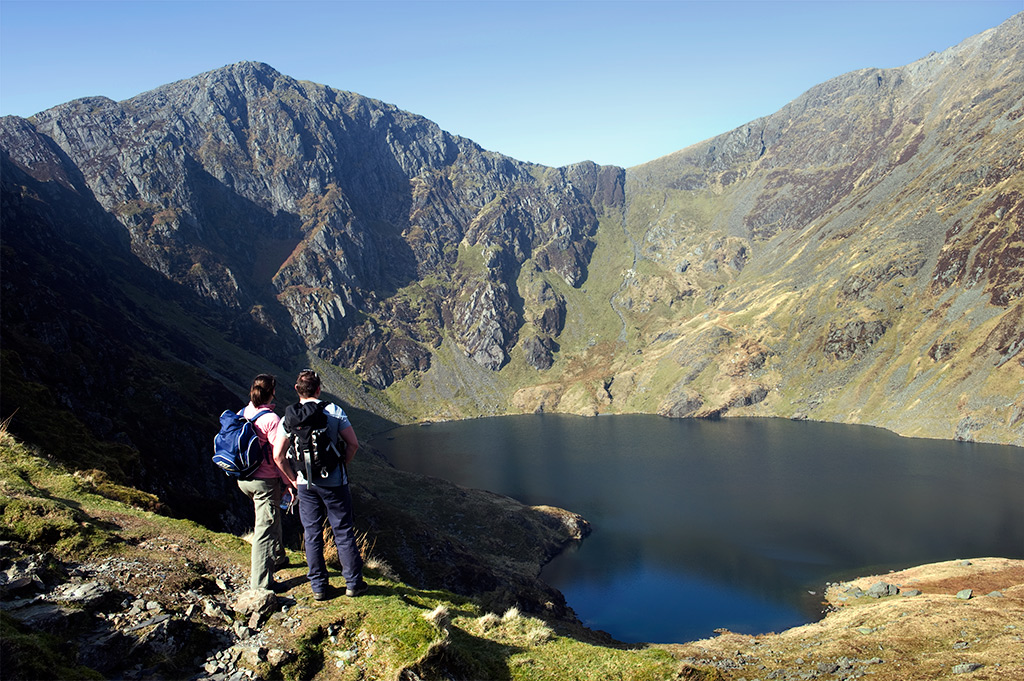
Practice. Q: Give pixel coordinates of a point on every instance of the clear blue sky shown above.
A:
(616, 82)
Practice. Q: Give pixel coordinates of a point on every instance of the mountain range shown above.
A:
(855, 257)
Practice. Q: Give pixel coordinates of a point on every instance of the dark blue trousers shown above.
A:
(318, 505)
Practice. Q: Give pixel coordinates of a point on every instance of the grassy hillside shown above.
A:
(75, 523)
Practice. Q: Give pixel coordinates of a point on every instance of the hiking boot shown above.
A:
(357, 589)
(324, 595)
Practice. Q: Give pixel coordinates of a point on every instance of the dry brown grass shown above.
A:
(903, 637)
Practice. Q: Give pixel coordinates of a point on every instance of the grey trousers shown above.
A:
(267, 543)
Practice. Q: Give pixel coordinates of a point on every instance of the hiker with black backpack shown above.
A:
(320, 442)
(264, 487)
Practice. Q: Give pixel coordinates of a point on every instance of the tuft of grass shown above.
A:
(440, 617)
(539, 633)
(371, 560)
(488, 622)
(99, 482)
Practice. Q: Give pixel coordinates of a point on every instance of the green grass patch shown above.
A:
(35, 506)
(409, 633)
(46, 507)
(472, 260)
(51, 525)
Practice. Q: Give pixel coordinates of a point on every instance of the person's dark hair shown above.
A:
(307, 384)
(262, 390)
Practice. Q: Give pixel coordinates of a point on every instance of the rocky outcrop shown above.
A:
(538, 352)
(854, 338)
(681, 403)
(486, 322)
(438, 535)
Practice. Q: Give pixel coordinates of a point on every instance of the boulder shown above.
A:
(91, 594)
(256, 604)
(882, 589)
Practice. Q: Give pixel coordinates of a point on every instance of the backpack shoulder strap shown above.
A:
(291, 415)
(241, 414)
(260, 413)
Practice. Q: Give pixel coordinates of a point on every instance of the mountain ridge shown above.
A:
(759, 174)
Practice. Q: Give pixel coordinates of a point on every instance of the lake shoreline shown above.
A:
(733, 521)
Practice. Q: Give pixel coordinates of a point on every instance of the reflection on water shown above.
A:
(707, 524)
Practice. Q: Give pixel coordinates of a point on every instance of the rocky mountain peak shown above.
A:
(255, 190)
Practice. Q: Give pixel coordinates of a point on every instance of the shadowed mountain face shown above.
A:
(359, 231)
(856, 257)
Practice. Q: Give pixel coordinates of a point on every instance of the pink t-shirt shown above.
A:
(266, 428)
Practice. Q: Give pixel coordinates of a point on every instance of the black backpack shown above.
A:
(314, 452)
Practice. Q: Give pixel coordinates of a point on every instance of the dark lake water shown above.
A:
(705, 524)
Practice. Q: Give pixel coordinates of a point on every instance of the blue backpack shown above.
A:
(236, 448)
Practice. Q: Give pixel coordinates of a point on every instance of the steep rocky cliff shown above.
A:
(857, 256)
(337, 221)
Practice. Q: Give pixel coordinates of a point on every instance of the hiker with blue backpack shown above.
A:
(261, 476)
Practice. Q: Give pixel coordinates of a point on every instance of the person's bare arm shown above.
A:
(351, 443)
(280, 458)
